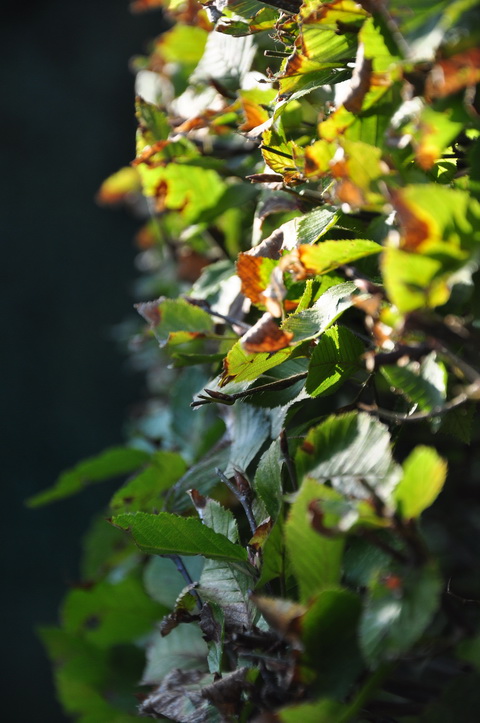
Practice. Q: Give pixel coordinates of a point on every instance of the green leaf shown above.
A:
(329, 255)
(397, 612)
(201, 476)
(217, 517)
(413, 281)
(330, 639)
(107, 465)
(335, 358)
(166, 534)
(110, 613)
(312, 322)
(424, 474)
(347, 450)
(222, 583)
(268, 480)
(143, 491)
(315, 559)
(312, 226)
(323, 711)
(422, 384)
(249, 430)
(184, 647)
(176, 321)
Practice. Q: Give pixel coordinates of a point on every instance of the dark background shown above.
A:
(67, 122)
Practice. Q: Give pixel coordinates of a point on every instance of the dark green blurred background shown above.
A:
(67, 123)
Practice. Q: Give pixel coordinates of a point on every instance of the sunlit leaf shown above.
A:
(423, 384)
(350, 450)
(424, 474)
(328, 255)
(335, 358)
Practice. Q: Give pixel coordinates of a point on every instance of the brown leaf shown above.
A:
(265, 178)
(249, 271)
(284, 616)
(265, 335)
(261, 534)
(414, 229)
(453, 74)
(179, 697)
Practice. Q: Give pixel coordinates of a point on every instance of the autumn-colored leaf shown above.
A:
(254, 273)
(453, 74)
(266, 336)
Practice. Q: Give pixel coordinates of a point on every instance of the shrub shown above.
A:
(310, 175)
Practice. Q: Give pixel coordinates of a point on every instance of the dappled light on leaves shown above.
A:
(295, 533)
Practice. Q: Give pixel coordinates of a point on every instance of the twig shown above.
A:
(470, 392)
(242, 496)
(230, 399)
(178, 562)
(458, 597)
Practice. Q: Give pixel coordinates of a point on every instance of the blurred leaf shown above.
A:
(329, 255)
(335, 358)
(119, 186)
(424, 474)
(110, 613)
(330, 637)
(143, 491)
(166, 534)
(111, 463)
(395, 616)
(200, 476)
(346, 449)
(422, 384)
(323, 711)
(164, 583)
(319, 563)
(183, 648)
(175, 321)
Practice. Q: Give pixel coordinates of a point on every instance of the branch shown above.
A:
(230, 399)
(469, 393)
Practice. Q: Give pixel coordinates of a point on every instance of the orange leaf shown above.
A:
(265, 335)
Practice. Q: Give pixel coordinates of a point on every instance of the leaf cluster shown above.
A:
(284, 543)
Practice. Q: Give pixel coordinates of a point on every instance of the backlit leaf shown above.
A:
(329, 255)
(424, 474)
(335, 358)
(319, 565)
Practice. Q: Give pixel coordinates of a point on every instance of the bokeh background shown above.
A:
(66, 123)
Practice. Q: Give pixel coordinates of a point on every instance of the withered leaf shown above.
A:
(266, 336)
(180, 698)
(261, 534)
(254, 273)
(452, 74)
(284, 616)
